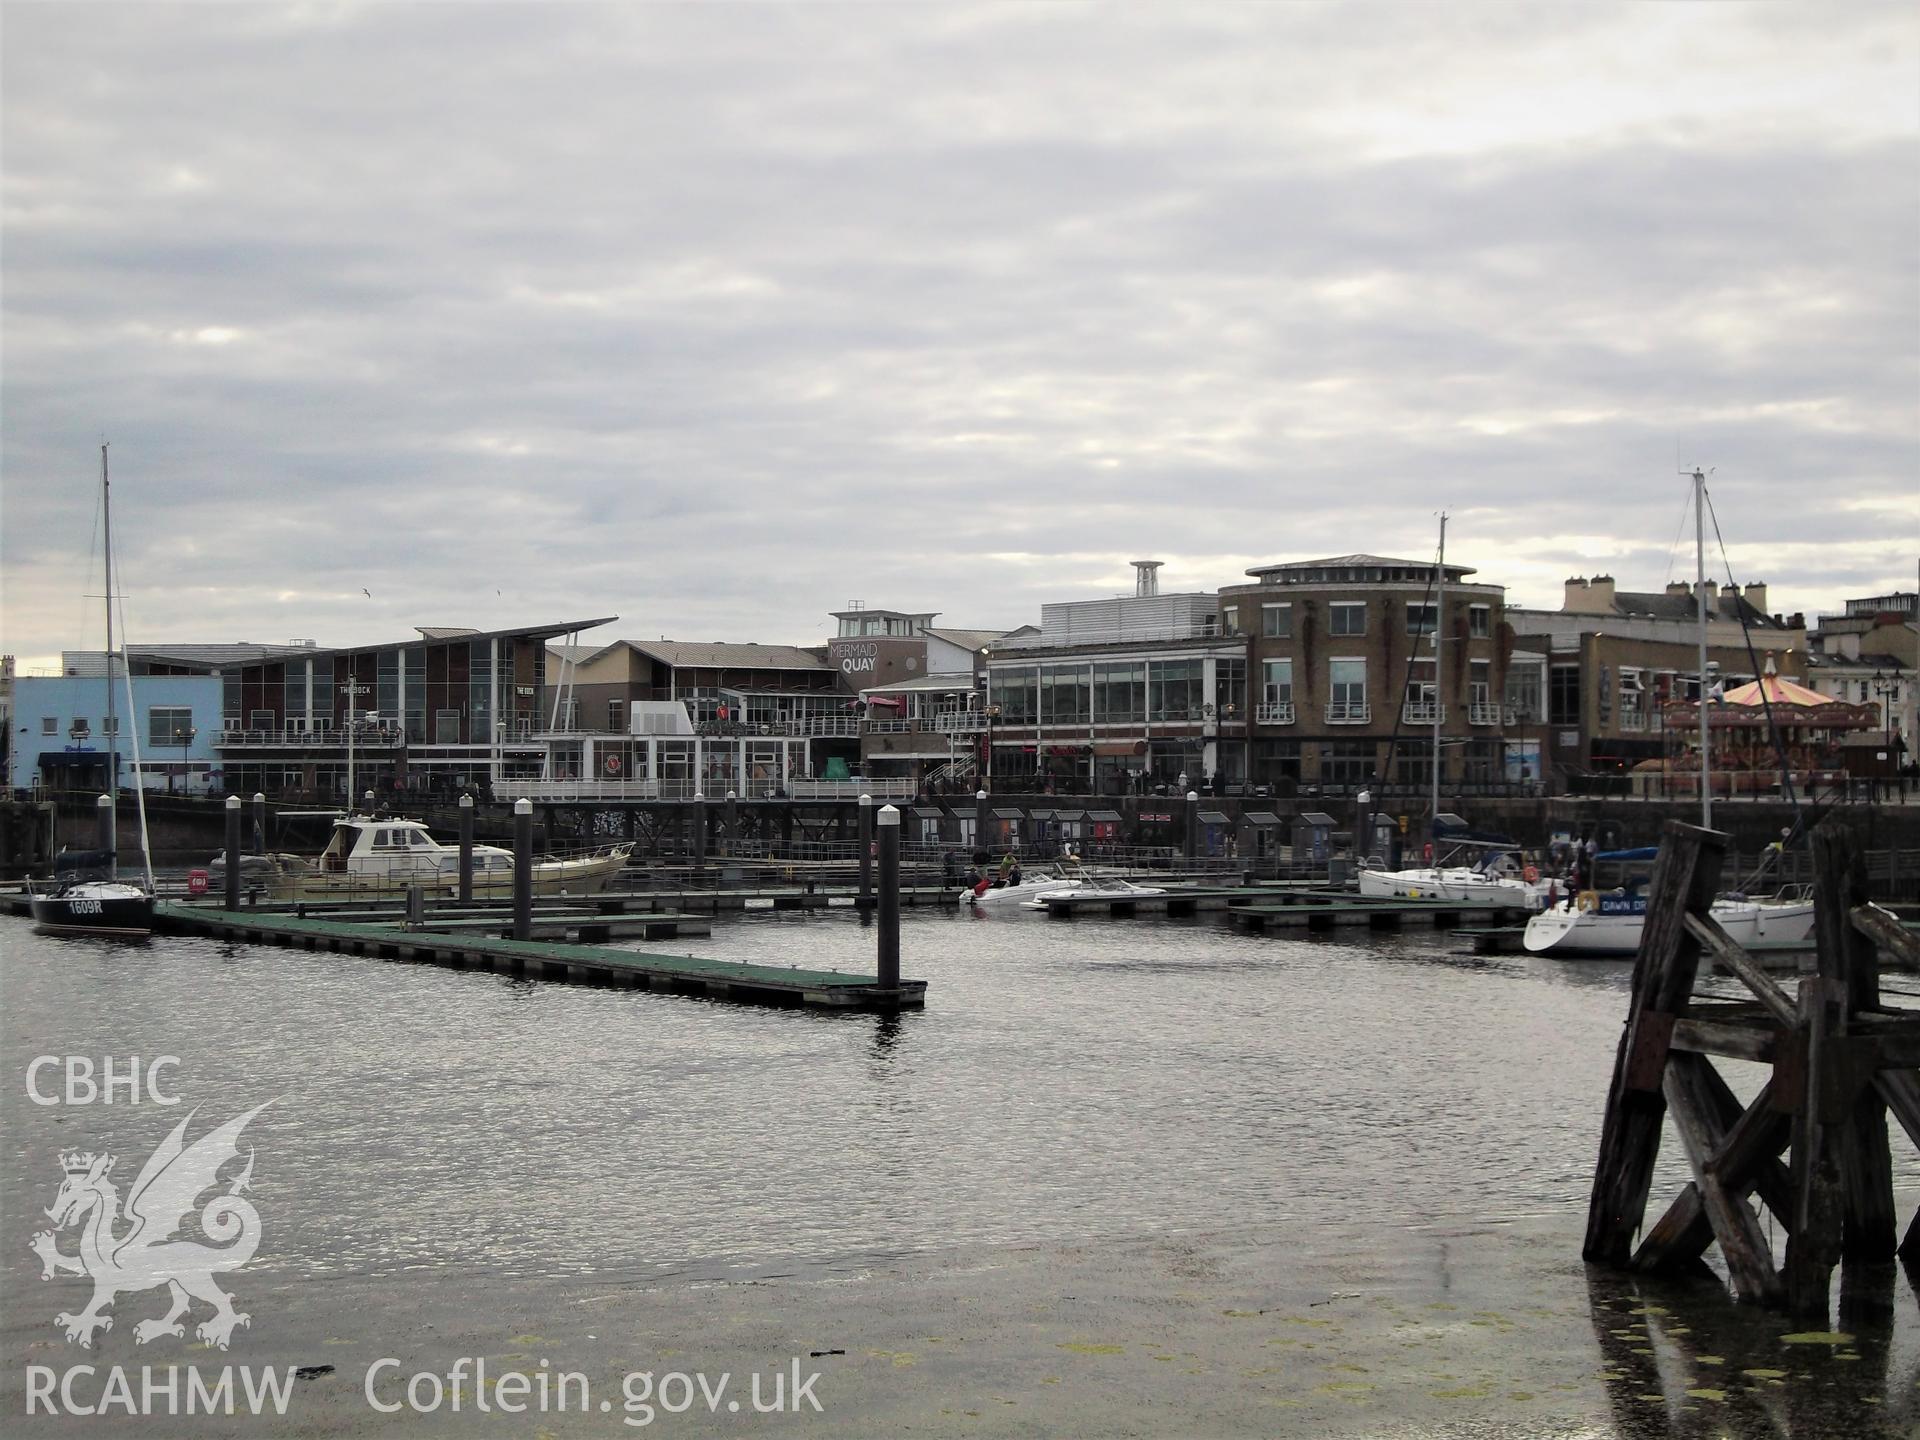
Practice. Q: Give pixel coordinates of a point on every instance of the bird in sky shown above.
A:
(366, 592)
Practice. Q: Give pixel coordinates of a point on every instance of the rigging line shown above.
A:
(1673, 545)
(1766, 704)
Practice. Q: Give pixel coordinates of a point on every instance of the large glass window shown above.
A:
(479, 693)
(1523, 692)
(1066, 694)
(1563, 695)
(1230, 620)
(1276, 620)
(1421, 619)
(1276, 682)
(169, 725)
(1479, 682)
(1176, 689)
(1347, 617)
(1480, 621)
(1229, 687)
(1120, 693)
(1347, 689)
(413, 663)
(1014, 692)
(1348, 762)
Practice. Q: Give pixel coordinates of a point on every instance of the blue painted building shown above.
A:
(60, 740)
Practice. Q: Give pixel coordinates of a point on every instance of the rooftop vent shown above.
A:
(1146, 576)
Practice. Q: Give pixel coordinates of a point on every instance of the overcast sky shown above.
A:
(717, 317)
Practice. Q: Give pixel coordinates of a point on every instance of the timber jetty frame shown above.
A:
(1840, 1059)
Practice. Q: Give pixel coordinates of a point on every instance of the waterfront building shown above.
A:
(1345, 689)
(922, 690)
(1118, 693)
(650, 719)
(1869, 654)
(451, 709)
(60, 740)
(1616, 658)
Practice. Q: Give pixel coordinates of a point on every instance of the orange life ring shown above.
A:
(1532, 874)
(613, 764)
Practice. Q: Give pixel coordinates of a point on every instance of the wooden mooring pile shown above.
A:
(1840, 1059)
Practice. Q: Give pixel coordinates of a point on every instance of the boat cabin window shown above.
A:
(383, 839)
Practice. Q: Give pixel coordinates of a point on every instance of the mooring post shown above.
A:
(699, 818)
(233, 852)
(523, 869)
(1193, 825)
(1685, 879)
(466, 849)
(730, 821)
(865, 833)
(980, 821)
(888, 824)
(104, 825)
(259, 836)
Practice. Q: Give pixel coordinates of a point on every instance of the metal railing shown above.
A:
(880, 788)
(1343, 712)
(1423, 712)
(959, 722)
(1274, 712)
(242, 737)
(1482, 712)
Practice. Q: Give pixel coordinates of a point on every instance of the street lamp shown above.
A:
(1886, 687)
(183, 736)
(992, 711)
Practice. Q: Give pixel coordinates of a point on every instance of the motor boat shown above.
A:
(1497, 878)
(1036, 885)
(388, 855)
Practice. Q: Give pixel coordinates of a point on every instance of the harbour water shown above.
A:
(1069, 1084)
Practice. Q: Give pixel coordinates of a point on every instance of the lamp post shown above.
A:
(992, 711)
(1886, 688)
(183, 736)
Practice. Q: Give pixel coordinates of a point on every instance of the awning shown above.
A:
(886, 700)
(1104, 817)
(1261, 817)
(1120, 747)
(1213, 817)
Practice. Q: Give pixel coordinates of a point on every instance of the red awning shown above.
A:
(887, 701)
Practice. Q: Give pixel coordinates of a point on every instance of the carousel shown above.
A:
(1810, 727)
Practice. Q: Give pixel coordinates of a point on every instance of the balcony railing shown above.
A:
(367, 736)
(1423, 712)
(1349, 712)
(1274, 712)
(1480, 712)
(893, 788)
(1633, 721)
(959, 722)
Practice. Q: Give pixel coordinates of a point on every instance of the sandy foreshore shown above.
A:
(1493, 1329)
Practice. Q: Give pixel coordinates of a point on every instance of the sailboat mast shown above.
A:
(113, 731)
(1439, 624)
(1700, 594)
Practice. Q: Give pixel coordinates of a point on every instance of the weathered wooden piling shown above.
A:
(233, 852)
(523, 869)
(865, 899)
(888, 825)
(1840, 1057)
(466, 849)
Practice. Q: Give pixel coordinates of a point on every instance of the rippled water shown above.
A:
(1066, 1079)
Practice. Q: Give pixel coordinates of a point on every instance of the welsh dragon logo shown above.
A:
(138, 1249)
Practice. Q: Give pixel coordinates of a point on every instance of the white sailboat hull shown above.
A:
(1593, 933)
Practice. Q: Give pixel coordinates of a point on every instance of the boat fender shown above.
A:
(1532, 874)
(1589, 899)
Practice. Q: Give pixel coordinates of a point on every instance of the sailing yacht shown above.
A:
(87, 895)
(1601, 924)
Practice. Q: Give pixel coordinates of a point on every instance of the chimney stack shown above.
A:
(1756, 596)
(1146, 576)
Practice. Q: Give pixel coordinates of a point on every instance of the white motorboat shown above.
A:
(1034, 886)
(1497, 878)
(387, 855)
(1107, 887)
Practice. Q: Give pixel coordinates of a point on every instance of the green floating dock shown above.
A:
(550, 960)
